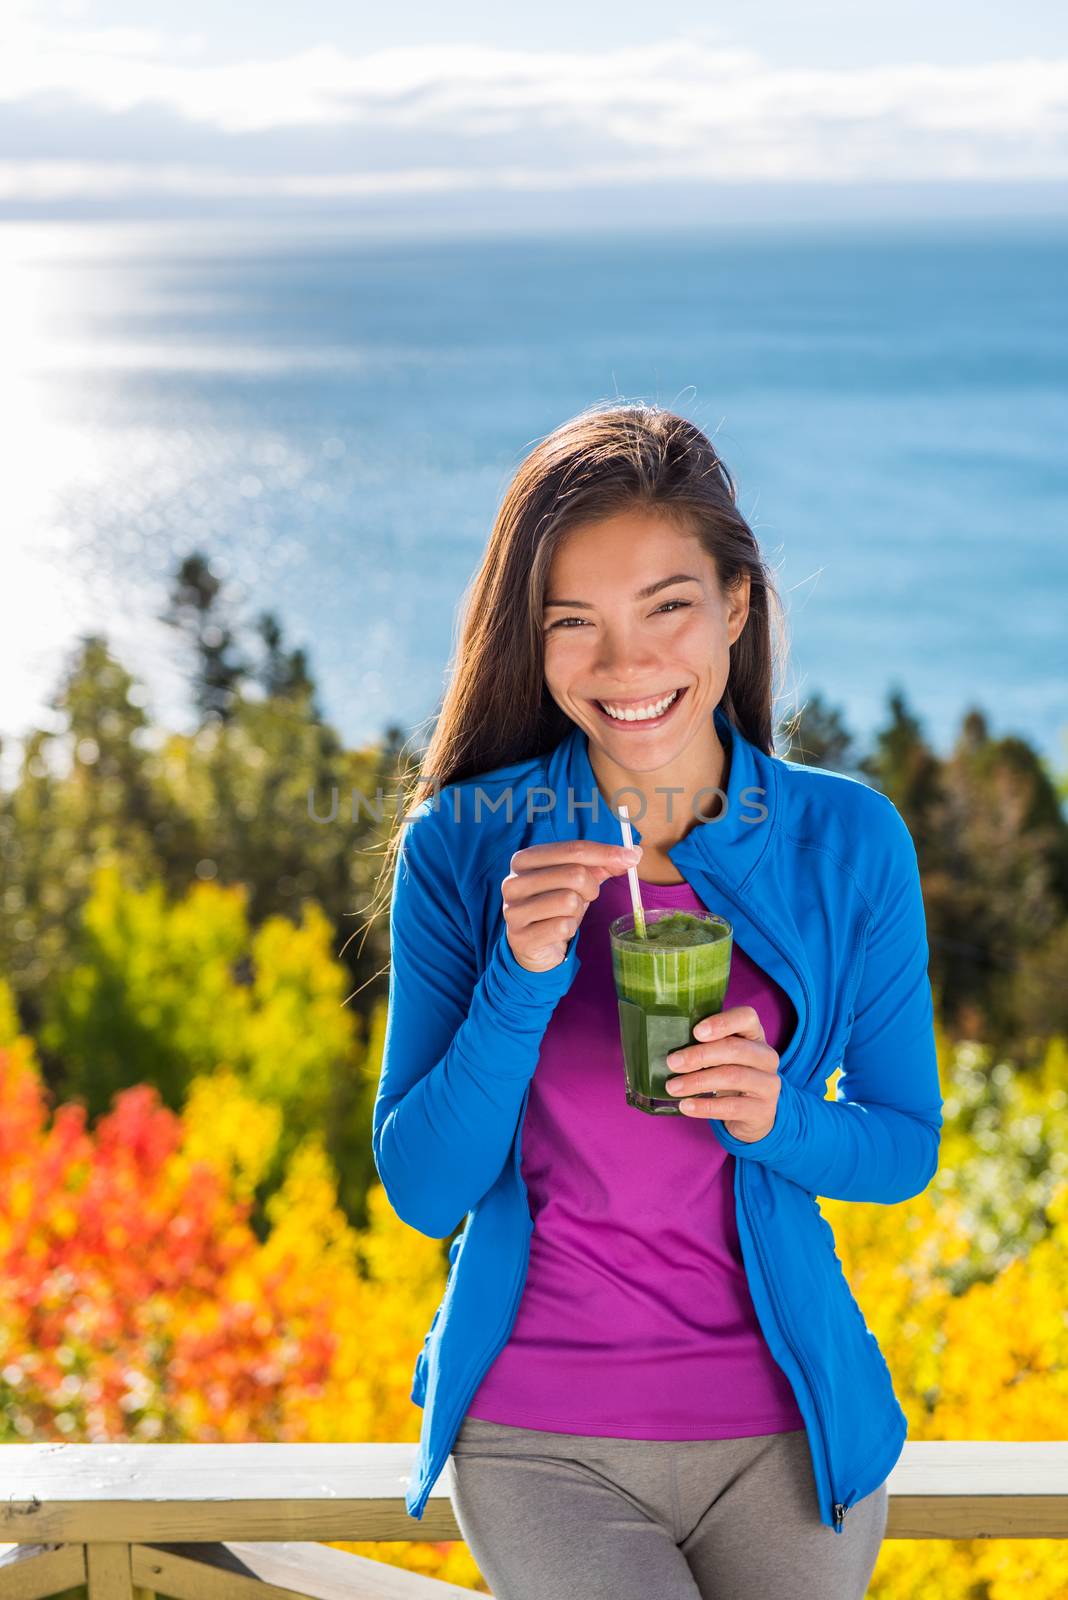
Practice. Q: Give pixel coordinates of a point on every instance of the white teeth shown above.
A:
(656, 708)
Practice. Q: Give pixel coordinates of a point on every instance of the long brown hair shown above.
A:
(497, 708)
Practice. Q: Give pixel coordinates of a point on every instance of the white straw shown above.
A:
(632, 876)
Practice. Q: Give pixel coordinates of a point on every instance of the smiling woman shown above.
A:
(627, 1299)
(619, 570)
(642, 663)
(633, 707)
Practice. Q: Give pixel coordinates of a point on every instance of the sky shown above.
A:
(111, 108)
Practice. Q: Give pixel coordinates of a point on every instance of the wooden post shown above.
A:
(108, 1572)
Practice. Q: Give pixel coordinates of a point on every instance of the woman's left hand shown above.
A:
(733, 1056)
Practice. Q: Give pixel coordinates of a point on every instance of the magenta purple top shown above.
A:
(636, 1319)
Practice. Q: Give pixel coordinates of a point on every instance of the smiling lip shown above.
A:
(645, 722)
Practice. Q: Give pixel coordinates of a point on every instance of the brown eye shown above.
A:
(665, 607)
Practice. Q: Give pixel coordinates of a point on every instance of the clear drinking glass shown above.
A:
(665, 984)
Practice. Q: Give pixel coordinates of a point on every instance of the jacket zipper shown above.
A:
(480, 1372)
(839, 1509)
(457, 1416)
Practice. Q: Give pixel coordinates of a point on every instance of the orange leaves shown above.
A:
(141, 1299)
(118, 1260)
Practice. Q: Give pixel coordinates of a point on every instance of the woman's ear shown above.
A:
(738, 612)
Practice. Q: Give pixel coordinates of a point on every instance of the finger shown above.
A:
(606, 859)
(537, 880)
(546, 950)
(751, 1053)
(552, 931)
(724, 1080)
(748, 1115)
(741, 1020)
(567, 903)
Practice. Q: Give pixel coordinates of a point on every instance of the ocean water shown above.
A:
(334, 419)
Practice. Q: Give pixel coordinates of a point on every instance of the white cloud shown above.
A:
(430, 118)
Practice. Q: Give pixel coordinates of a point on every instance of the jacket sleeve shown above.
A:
(879, 1138)
(460, 1044)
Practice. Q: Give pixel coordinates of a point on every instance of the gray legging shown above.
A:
(563, 1516)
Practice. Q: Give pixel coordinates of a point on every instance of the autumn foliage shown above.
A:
(152, 1289)
(137, 1301)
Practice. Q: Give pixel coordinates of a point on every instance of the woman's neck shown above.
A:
(669, 801)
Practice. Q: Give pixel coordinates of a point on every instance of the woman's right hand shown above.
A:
(548, 892)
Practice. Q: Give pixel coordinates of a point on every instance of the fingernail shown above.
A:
(631, 852)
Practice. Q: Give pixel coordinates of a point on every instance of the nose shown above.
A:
(626, 659)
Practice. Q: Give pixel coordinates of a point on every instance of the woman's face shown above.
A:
(614, 644)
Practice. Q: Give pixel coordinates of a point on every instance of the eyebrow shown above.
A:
(642, 594)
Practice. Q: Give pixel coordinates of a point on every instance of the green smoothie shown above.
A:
(665, 984)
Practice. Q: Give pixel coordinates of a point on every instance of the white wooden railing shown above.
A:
(242, 1521)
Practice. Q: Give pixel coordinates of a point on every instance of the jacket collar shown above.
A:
(730, 845)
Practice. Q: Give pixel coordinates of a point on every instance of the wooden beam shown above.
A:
(150, 1493)
(107, 1567)
(164, 1493)
(35, 1571)
(283, 1571)
(979, 1489)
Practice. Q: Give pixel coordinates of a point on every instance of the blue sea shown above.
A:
(333, 419)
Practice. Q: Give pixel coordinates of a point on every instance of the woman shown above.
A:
(647, 1367)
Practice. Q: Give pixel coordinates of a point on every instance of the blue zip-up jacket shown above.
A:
(818, 874)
